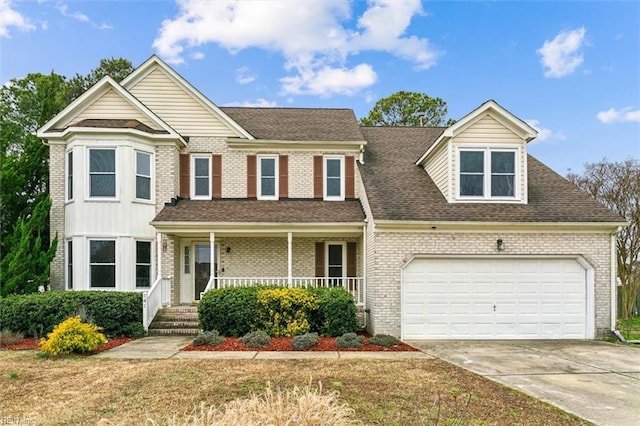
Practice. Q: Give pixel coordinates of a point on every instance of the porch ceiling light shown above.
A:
(500, 244)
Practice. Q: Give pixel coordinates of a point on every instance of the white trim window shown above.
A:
(268, 177)
(336, 262)
(102, 264)
(201, 177)
(143, 175)
(487, 174)
(69, 175)
(143, 264)
(102, 173)
(69, 264)
(334, 178)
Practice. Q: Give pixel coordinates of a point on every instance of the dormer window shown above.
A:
(487, 173)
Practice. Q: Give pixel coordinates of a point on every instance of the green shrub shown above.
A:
(336, 313)
(349, 340)
(72, 336)
(37, 314)
(305, 341)
(231, 311)
(134, 329)
(208, 338)
(256, 339)
(384, 340)
(285, 311)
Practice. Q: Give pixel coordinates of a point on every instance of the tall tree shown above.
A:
(25, 105)
(408, 109)
(116, 68)
(617, 186)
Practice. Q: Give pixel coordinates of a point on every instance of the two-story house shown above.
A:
(437, 232)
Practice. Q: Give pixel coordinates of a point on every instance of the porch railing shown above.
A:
(354, 285)
(157, 296)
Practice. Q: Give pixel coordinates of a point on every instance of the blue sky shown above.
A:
(571, 69)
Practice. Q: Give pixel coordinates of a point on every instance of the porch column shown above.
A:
(212, 255)
(289, 259)
(159, 255)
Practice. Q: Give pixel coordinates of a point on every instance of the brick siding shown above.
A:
(394, 249)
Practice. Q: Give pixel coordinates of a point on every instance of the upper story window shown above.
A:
(334, 178)
(102, 263)
(201, 187)
(487, 173)
(102, 172)
(267, 178)
(143, 175)
(69, 175)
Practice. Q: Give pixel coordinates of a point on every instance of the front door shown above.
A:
(202, 267)
(335, 264)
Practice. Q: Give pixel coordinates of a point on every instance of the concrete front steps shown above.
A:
(175, 321)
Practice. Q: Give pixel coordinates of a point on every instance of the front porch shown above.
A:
(191, 264)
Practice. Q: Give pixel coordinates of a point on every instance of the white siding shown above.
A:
(112, 106)
(488, 129)
(177, 107)
(438, 169)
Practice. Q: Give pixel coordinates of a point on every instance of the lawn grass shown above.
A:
(84, 390)
(630, 328)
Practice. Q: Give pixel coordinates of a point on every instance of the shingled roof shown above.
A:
(111, 123)
(397, 189)
(297, 124)
(261, 211)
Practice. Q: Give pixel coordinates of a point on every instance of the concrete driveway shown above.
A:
(597, 381)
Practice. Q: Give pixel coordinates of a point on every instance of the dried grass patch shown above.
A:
(85, 390)
(305, 406)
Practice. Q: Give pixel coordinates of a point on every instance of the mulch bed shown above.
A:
(327, 344)
(31, 343)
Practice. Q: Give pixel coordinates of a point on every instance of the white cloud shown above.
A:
(261, 103)
(12, 18)
(616, 116)
(543, 133)
(562, 55)
(78, 16)
(315, 40)
(244, 75)
(328, 81)
(197, 55)
(105, 26)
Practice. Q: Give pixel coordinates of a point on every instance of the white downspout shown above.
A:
(614, 300)
(289, 259)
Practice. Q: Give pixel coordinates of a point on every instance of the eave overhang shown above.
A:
(468, 226)
(355, 146)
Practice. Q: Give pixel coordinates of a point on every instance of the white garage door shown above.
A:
(467, 298)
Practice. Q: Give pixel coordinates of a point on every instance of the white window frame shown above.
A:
(137, 175)
(136, 263)
(344, 257)
(115, 173)
(486, 152)
(69, 175)
(325, 177)
(275, 177)
(115, 264)
(193, 176)
(68, 264)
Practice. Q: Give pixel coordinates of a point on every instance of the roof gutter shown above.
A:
(433, 226)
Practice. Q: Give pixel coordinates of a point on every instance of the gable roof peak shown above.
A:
(155, 63)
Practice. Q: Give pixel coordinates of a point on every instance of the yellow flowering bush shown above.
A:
(72, 336)
(285, 311)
